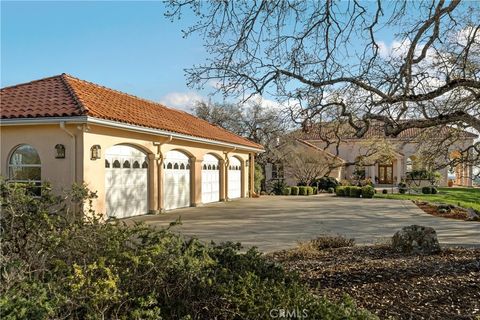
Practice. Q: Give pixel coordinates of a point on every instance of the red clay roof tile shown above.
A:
(64, 96)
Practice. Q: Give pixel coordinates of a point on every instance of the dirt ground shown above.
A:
(389, 284)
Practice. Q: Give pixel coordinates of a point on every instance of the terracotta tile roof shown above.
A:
(326, 131)
(64, 95)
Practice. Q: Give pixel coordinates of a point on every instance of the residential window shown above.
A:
(25, 166)
(277, 170)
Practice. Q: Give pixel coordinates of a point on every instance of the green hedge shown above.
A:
(368, 192)
(340, 191)
(302, 190)
(294, 191)
(287, 191)
(309, 191)
(429, 190)
(315, 190)
(355, 192)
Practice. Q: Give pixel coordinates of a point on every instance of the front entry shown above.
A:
(385, 173)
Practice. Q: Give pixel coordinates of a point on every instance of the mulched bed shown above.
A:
(390, 284)
(454, 213)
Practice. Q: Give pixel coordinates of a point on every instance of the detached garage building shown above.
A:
(140, 156)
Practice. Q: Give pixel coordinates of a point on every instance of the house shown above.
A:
(362, 157)
(139, 155)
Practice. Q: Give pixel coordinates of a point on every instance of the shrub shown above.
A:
(330, 242)
(278, 186)
(294, 191)
(429, 190)
(331, 190)
(287, 191)
(315, 190)
(340, 191)
(368, 191)
(302, 190)
(58, 264)
(384, 191)
(327, 182)
(258, 177)
(309, 191)
(402, 187)
(355, 192)
(347, 191)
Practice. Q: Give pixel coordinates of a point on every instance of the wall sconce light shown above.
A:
(96, 152)
(60, 151)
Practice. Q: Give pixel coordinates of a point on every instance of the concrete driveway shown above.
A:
(279, 222)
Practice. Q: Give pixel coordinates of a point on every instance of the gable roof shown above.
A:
(67, 96)
(329, 130)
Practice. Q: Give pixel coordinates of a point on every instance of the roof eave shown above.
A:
(123, 126)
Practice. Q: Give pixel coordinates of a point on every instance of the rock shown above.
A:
(445, 207)
(442, 210)
(416, 239)
(472, 215)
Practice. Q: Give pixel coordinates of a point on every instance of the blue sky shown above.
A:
(123, 45)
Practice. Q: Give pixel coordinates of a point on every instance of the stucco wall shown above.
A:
(44, 138)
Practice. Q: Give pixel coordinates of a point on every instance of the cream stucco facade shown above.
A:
(78, 136)
(388, 173)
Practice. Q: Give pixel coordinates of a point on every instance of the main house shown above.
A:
(140, 156)
(346, 155)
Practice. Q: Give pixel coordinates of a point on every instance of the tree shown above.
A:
(305, 162)
(328, 61)
(252, 120)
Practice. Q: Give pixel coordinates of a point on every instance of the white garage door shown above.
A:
(126, 182)
(234, 178)
(176, 182)
(210, 179)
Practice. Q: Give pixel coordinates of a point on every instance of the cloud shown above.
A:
(182, 100)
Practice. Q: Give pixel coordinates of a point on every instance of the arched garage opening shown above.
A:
(210, 179)
(234, 178)
(126, 181)
(176, 180)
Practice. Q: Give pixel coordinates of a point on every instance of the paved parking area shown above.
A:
(279, 222)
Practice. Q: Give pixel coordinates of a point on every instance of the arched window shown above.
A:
(169, 165)
(136, 165)
(116, 164)
(107, 164)
(175, 166)
(126, 164)
(25, 166)
(182, 166)
(145, 165)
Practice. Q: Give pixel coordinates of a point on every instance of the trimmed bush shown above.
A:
(327, 182)
(331, 190)
(368, 191)
(384, 191)
(309, 191)
(287, 191)
(347, 191)
(340, 191)
(302, 191)
(315, 190)
(355, 192)
(294, 191)
(429, 190)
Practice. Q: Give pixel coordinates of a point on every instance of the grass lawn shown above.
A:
(465, 197)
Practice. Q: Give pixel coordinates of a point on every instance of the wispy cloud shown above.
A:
(182, 100)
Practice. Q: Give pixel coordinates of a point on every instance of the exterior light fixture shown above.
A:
(60, 151)
(96, 152)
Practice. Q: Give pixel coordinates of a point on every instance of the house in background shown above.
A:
(140, 156)
(403, 149)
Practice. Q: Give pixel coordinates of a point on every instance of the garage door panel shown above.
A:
(176, 180)
(234, 178)
(126, 187)
(210, 179)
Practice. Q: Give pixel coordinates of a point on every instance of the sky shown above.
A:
(126, 46)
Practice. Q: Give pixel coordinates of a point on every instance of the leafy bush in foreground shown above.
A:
(55, 263)
(368, 191)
